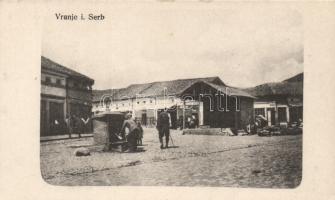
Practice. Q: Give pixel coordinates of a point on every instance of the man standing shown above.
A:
(78, 125)
(69, 124)
(85, 121)
(163, 127)
(140, 136)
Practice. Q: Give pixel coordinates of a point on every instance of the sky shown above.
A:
(243, 47)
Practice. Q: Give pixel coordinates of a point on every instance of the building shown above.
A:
(210, 101)
(281, 101)
(63, 92)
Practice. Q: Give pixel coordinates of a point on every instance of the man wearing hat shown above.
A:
(163, 127)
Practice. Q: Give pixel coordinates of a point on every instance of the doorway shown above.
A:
(271, 116)
(144, 119)
(282, 114)
(56, 118)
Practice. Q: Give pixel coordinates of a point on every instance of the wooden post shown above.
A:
(288, 114)
(48, 116)
(68, 108)
(201, 113)
(276, 114)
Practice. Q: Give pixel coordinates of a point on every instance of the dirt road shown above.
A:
(245, 161)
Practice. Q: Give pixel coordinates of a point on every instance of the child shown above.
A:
(140, 136)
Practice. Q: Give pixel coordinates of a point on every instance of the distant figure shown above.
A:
(130, 131)
(163, 127)
(140, 136)
(193, 122)
(300, 123)
(196, 121)
(85, 121)
(188, 122)
(180, 123)
(78, 125)
(69, 124)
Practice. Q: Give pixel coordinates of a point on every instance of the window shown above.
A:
(47, 79)
(282, 114)
(150, 101)
(58, 81)
(138, 102)
(144, 102)
(260, 111)
(238, 104)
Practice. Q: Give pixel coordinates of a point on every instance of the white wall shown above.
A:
(138, 104)
(272, 104)
(56, 91)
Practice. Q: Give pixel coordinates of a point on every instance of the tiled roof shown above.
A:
(292, 86)
(296, 78)
(53, 66)
(174, 87)
(230, 91)
(99, 94)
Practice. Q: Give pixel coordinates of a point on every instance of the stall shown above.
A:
(106, 129)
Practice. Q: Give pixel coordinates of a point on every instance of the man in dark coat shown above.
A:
(163, 127)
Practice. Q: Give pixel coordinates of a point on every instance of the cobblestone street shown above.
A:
(195, 160)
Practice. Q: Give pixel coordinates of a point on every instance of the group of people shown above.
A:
(76, 124)
(132, 131)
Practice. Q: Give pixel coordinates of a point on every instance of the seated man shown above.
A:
(130, 131)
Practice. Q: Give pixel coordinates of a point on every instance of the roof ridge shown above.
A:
(180, 79)
(74, 72)
(149, 86)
